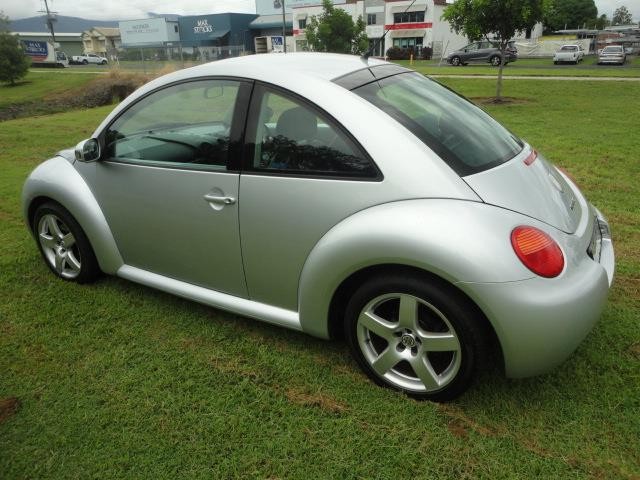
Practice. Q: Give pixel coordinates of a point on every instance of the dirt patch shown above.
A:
(458, 428)
(462, 421)
(8, 408)
(634, 349)
(502, 101)
(318, 399)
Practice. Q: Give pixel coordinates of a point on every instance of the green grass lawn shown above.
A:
(41, 85)
(531, 67)
(115, 380)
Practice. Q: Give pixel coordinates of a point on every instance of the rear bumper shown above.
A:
(540, 322)
(616, 60)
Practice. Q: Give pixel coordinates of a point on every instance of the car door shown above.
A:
(168, 182)
(303, 174)
(486, 50)
(470, 52)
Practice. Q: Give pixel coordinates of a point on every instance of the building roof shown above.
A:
(107, 31)
(271, 21)
(48, 34)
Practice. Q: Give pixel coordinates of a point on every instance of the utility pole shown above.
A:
(276, 4)
(50, 20)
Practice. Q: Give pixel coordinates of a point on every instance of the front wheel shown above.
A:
(455, 61)
(63, 244)
(495, 61)
(415, 335)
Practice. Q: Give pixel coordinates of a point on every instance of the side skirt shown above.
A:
(248, 308)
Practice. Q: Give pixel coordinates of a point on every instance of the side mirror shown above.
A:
(88, 150)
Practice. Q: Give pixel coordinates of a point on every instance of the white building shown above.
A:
(417, 26)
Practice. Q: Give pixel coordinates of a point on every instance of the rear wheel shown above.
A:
(64, 246)
(85, 62)
(415, 335)
(495, 60)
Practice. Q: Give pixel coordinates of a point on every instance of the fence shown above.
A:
(153, 59)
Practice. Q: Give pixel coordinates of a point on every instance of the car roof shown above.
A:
(326, 66)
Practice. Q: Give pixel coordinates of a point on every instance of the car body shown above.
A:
(87, 58)
(612, 54)
(284, 188)
(569, 54)
(483, 52)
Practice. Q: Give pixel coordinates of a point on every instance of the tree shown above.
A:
(478, 19)
(601, 22)
(621, 16)
(14, 64)
(335, 31)
(561, 14)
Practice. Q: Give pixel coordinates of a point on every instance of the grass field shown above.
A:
(532, 67)
(41, 85)
(115, 380)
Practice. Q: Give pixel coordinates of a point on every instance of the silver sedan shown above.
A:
(341, 197)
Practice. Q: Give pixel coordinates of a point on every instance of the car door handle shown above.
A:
(212, 198)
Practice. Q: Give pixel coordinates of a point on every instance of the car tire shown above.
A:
(455, 61)
(85, 62)
(555, 63)
(430, 351)
(63, 244)
(104, 62)
(495, 61)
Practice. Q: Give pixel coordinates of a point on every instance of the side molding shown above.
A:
(241, 306)
(58, 180)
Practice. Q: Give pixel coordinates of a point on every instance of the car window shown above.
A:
(569, 48)
(487, 45)
(188, 123)
(471, 47)
(463, 135)
(292, 137)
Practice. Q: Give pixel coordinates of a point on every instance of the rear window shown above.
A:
(463, 135)
(615, 49)
(569, 48)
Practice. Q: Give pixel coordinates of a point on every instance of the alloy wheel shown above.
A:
(408, 342)
(59, 246)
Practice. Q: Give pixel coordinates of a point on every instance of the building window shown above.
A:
(371, 19)
(175, 28)
(409, 42)
(302, 23)
(408, 17)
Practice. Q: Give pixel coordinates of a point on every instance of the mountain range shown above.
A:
(68, 24)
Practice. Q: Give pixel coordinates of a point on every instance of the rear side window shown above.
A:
(463, 135)
(291, 137)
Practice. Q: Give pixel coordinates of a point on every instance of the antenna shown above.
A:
(365, 56)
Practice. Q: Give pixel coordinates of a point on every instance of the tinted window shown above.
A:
(463, 135)
(569, 48)
(291, 137)
(188, 123)
(408, 17)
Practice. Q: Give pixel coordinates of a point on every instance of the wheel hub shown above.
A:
(408, 340)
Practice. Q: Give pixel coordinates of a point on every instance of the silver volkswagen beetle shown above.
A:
(339, 197)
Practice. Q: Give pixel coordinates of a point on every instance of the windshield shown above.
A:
(569, 48)
(463, 135)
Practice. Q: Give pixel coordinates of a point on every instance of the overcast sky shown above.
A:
(134, 9)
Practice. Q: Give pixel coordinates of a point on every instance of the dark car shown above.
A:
(483, 52)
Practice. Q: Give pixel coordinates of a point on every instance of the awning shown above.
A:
(264, 22)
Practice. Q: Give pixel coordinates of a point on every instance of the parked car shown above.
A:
(483, 52)
(338, 198)
(569, 54)
(612, 54)
(89, 58)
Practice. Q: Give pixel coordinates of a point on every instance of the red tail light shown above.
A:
(537, 251)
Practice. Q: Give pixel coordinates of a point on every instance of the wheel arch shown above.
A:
(349, 285)
(56, 180)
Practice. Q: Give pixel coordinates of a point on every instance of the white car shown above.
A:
(569, 53)
(89, 58)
